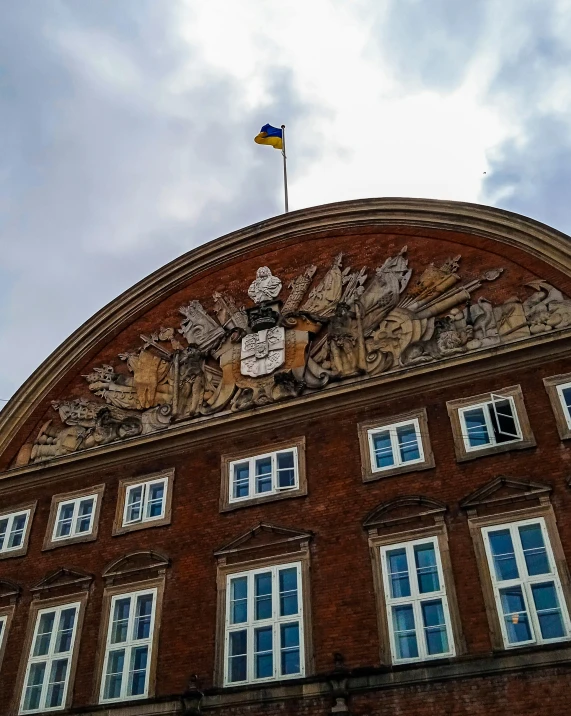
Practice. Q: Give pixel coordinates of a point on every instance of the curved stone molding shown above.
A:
(136, 563)
(407, 508)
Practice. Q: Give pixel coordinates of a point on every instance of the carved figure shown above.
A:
(191, 382)
(229, 315)
(383, 292)
(199, 328)
(326, 295)
(547, 308)
(265, 286)
(298, 288)
(149, 370)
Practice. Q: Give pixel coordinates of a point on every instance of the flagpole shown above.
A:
(285, 168)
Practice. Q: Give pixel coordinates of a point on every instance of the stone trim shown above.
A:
(9, 590)
(118, 527)
(523, 490)
(7, 612)
(23, 550)
(475, 525)
(227, 458)
(61, 579)
(420, 507)
(35, 606)
(371, 475)
(513, 391)
(551, 384)
(49, 542)
(126, 567)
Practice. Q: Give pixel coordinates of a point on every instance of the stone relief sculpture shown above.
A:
(353, 324)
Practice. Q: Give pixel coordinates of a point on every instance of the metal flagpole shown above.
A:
(285, 168)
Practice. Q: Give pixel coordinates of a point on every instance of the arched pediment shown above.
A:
(457, 282)
(9, 590)
(136, 563)
(403, 509)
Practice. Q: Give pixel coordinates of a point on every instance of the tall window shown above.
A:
(417, 607)
(145, 501)
(262, 475)
(491, 423)
(526, 585)
(129, 646)
(3, 627)
(49, 663)
(396, 445)
(564, 393)
(74, 518)
(264, 625)
(13, 530)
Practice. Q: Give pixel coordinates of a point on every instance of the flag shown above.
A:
(270, 135)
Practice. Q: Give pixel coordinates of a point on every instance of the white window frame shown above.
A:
(129, 645)
(392, 430)
(11, 516)
(416, 599)
(251, 461)
(145, 485)
(564, 408)
(74, 518)
(525, 582)
(251, 624)
(3, 627)
(486, 406)
(50, 657)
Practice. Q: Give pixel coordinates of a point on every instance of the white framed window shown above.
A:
(3, 627)
(49, 663)
(13, 528)
(564, 394)
(264, 625)
(74, 518)
(262, 475)
(145, 501)
(526, 585)
(129, 645)
(396, 445)
(417, 606)
(490, 423)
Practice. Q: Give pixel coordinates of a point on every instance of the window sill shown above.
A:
(373, 476)
(495, 450)
(124, 529)
(262, 499)
(55, 544)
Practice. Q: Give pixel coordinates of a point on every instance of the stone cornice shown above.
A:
(504, 227)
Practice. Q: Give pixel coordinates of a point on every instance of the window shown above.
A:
(271, 474)
(396, 445)
(558, 389)
(490, 423)
(129, 644)
(75, 518)
(264, 625)
(144, 502)
(14, 531)
(417, 607)
(48, 670)
(525, 582)
(564, 393)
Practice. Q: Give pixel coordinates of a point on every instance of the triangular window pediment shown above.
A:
(64, 577)
(502, 490)
(407, 508)
(263, 535)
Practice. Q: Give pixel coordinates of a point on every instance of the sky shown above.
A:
(126, 130)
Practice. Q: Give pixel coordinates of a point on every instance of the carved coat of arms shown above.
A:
(263, 352)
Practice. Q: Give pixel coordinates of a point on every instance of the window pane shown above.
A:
(56, 684)
(138, 675)
(435, 627)
(17, 532)
(263, 647)
(34, 686)
(566, 393)
(263, 474)
(84, 515)
(383, 449)
(241, 480)
(120, 620)
(134, 501)
(44, 634)
(142, 626)
(288, 591)
(476, 430)
(65, 631)
(263, 595)
(404, 631)
(398, 573)
(114, 676)
(408, 443)
(239, 601)
(289, 637)
(515, 615)
(426, 569)
(503, 555)
(156, 499)
(65, 520)
(548, 611)
(238, 660)
(286, 471)
(534, 550)
(504, 428)
(3, 527)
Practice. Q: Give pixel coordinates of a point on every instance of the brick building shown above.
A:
(318, 465)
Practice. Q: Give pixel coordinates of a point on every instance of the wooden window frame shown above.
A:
(111, 591)
(554, 385)
(227, 503)
(50, 541)
(464, 453)
(22, 550)
(366, 430)
(119, 527)
(376, 543)
(6, 615)
(476, 523)
(36, 606)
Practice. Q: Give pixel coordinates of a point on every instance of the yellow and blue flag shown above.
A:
(270, 135)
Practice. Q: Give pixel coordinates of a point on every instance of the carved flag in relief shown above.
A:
(263, 352)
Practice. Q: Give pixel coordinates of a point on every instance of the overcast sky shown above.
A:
(126, 129)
